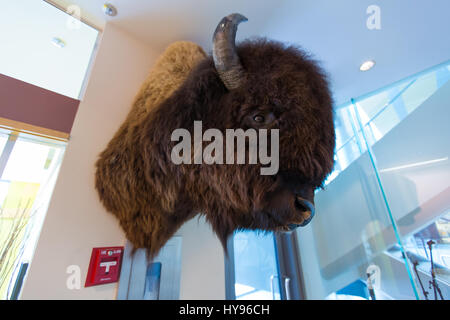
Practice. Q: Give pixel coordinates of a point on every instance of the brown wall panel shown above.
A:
(27, 103)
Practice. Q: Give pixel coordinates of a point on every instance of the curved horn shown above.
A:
(226, 60)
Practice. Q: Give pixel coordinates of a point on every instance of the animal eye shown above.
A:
(258, 118)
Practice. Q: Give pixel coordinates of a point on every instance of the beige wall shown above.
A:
(202, 262)
(76, 222)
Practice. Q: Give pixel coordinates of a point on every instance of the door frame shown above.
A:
(288, 264)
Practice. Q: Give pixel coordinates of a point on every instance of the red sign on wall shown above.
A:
(104, 266)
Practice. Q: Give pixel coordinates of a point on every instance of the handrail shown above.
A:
(393, 84)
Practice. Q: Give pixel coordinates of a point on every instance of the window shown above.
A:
(255, 266)
(29, 166)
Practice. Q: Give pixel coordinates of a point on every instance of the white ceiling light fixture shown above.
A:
(367, 65)
(109, 10)
(58, 42)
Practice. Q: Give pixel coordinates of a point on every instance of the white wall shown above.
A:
(202, 264)
(76, 221)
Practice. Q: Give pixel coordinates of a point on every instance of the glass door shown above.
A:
(263, 266)
(252, 267)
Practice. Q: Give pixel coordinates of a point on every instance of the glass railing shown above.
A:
(380, 112)
(387, 200)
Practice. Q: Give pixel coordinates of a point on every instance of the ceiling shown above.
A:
(413, 35)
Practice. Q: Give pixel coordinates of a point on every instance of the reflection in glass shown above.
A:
(417, 248)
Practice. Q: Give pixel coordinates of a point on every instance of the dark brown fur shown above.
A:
(152, 197)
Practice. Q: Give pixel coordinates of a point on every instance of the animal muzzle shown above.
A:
(290, 203)
(307, 210)
(294, 197)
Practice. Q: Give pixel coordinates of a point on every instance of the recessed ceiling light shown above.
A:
(109, 10)
(367, 65)
(58, 42)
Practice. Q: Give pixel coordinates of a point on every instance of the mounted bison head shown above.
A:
(259, 84)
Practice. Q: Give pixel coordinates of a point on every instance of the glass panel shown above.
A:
(347, 153)
(349, 234)
(370, 107)
(379, 119)
(25, 189)
(387, 197)
(380, 113)
(44, 46)
(421, 90)
(256, 269)
(429, 251)
(344, 127)
(348, 146)
(413, 161)
(381, 125)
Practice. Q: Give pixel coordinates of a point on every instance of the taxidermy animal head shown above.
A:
(259, 85)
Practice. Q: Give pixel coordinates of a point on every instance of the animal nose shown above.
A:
(307, 210)
(304, 205)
